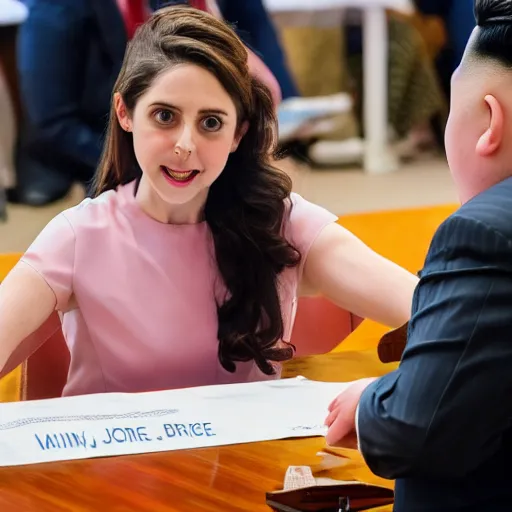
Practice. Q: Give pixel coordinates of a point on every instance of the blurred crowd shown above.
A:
(59, 62)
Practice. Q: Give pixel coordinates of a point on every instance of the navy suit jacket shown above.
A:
(441, 424)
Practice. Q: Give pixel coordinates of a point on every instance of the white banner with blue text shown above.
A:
(112, 424)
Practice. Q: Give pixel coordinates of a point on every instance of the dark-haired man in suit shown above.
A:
(441, 424)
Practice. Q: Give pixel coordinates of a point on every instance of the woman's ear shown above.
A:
(122, 113)
(239, 136)
(491, 140)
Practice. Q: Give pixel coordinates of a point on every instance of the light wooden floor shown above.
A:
(422, 183)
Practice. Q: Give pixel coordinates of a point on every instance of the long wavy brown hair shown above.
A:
(246, 205)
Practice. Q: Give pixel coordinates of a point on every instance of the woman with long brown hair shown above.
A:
(185, 267)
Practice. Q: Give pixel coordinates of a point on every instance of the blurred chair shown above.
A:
(322, 325)
(392, 345)
(45, 372)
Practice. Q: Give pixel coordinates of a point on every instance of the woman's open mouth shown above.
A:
(178, 177)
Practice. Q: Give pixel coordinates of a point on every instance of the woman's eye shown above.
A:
(164, 116)
(212, 124)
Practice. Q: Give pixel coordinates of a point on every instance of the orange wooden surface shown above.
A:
(403, 236)
(233, 478)
(7, 261)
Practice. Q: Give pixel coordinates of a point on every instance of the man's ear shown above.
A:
(122, 113)
(239, 136)
(490, 141)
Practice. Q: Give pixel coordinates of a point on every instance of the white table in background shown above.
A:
(12, 12)
(378, 156)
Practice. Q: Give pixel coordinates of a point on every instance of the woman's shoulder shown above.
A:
(98, 211)
(298, 205)
(304, 221)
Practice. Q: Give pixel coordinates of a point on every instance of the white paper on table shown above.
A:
(118, 424)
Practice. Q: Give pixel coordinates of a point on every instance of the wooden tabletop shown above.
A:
(232, 478)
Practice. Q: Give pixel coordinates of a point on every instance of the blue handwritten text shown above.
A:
(126, 435)
(189, 430)
(64, 440)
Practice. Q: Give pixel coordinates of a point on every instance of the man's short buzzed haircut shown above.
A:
(494, 39)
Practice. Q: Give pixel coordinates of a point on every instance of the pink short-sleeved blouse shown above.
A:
(138, 297)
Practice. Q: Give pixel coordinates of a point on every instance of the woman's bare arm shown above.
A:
(353, 276)
(26, 301)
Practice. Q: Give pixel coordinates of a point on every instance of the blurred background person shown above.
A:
(69, 53)
(417, 109)
(12, 14)
(416, 103)
(459, 20)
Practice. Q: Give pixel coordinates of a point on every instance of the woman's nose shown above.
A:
(185, 140)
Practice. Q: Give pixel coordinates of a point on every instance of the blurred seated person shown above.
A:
(417, 107)
(257, 30)
(7, 139)
(415, 98)
(69, 55)
(459, 19)
(12, 14)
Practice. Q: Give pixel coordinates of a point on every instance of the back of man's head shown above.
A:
(479, 131)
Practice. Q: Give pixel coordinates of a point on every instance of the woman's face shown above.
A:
(184, 128)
